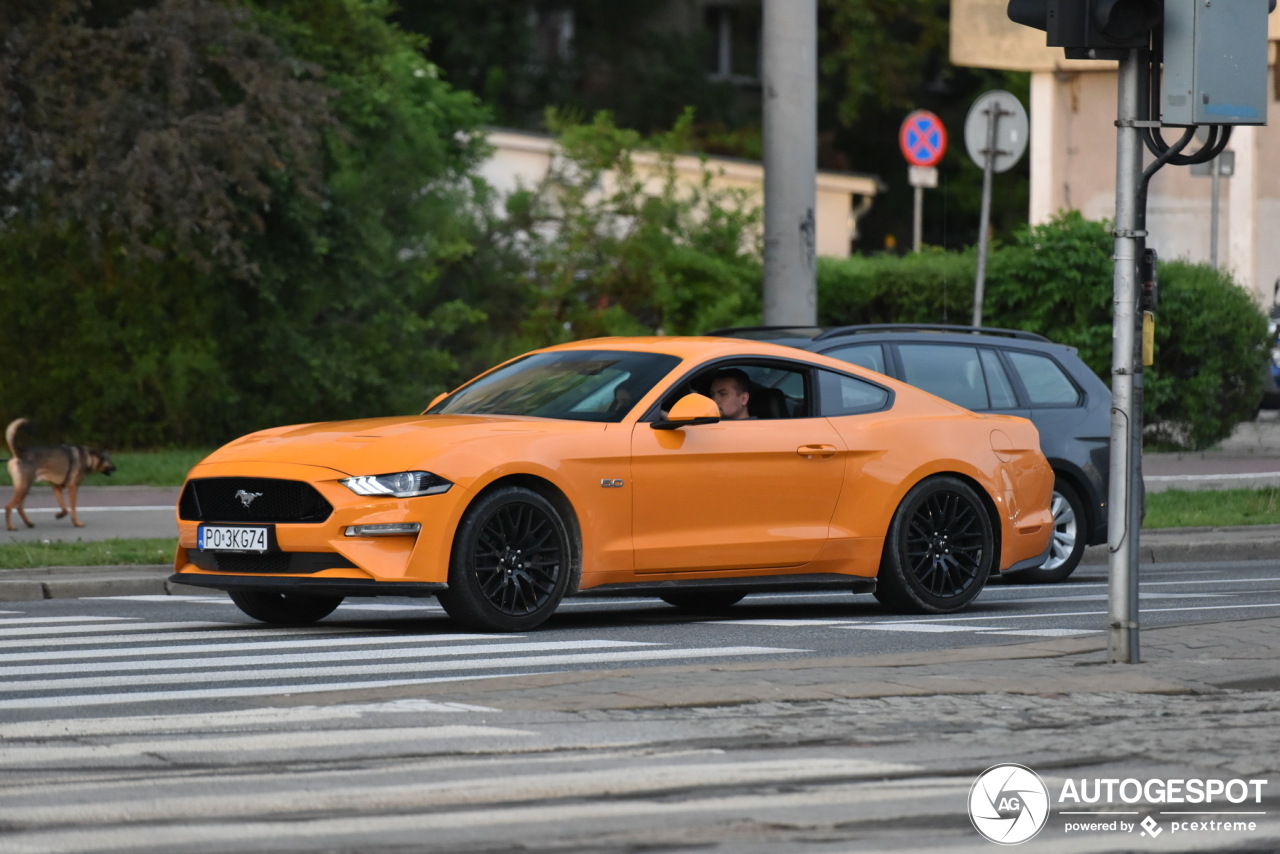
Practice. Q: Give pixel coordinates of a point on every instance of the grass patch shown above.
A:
(101, 553)
(1212, 508)
(140, 468)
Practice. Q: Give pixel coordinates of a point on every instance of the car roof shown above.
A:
(827, 333)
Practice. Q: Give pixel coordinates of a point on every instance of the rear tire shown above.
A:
(513, 560)
(703, 601)
(285, 609)
(939, 551)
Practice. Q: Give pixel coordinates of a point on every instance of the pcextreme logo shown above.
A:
(1008, 804)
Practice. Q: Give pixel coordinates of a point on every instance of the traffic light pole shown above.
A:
(1125, 514)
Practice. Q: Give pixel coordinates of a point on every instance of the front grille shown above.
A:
(279, 563)
(223, 499)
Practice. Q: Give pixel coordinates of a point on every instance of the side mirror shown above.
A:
(690, 410)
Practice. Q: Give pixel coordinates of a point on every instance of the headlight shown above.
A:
(405, 484)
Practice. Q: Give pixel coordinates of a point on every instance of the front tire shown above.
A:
(513, 561)
(285, 609)
(939, 551)
(1067, 547)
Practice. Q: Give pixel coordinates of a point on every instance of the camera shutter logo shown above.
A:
(1008, 804)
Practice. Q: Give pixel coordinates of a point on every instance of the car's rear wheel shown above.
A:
(939, 551)
(1067, 547)
(285, 609)
(703, 601)
(513, 559)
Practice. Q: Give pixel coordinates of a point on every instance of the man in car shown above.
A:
(730, 389)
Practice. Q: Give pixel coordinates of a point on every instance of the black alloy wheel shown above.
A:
(285, 609)
(513, 561)
(939, 551)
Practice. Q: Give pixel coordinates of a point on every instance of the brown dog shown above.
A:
(63, 466)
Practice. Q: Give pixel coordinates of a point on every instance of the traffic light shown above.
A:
(1091, 29)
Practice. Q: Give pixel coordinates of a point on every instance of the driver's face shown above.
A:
(732, 402)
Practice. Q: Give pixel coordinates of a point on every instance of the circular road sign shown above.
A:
(1011, 130)
(923, 138)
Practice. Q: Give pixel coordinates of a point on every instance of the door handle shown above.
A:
(821, 451)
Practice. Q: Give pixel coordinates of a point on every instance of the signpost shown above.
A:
(1222, 166)
(995, 133)
(923, 141)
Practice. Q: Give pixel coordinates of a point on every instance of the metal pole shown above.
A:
(917, 219)
(790, 161)
(1215, 172)
(1122, 639)
(988, 166)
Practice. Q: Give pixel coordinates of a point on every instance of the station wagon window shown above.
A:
(869, 356)
(845, 395)
(950, 371)
(1043, 378)
(999, 388)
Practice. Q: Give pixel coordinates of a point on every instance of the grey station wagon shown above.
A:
(996, 370)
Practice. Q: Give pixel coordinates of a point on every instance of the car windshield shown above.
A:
(576, 385)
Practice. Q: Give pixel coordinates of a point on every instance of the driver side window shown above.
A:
(773, 390)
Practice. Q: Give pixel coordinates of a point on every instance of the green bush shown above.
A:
(927, 287)
(1057, 280)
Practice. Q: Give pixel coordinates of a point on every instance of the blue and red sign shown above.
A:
(923, 138)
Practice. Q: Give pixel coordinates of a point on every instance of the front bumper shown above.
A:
(318, 586)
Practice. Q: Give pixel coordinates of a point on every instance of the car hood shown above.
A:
(380, 445)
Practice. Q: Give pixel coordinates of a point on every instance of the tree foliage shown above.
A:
(238, 214)
(616, 241)
(163, 132)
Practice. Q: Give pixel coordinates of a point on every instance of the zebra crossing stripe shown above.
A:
(310, 657)
(374, 669)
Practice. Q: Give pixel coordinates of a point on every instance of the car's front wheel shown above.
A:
(939, 551)
(285, 609)
(513, 561)
(1067, 547)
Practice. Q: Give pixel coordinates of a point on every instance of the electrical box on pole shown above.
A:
(1215, 62)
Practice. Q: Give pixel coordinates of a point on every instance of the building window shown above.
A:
(552, 37)
(734, 42)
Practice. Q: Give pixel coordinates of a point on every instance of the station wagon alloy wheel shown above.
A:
(940, 549)
(1067, 547)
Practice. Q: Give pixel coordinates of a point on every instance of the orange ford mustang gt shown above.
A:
(605, 466)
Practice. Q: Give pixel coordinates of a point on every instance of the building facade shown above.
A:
(1073, 152)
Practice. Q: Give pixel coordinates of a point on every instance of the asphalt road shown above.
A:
(174, 723)
(121, 655)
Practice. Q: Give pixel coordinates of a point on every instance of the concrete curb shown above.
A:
(79, 582)
(1187, 545)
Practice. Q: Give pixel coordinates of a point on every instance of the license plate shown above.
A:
(235, 538)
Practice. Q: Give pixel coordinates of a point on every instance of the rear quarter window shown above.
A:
(1046, 383)
(845, 395)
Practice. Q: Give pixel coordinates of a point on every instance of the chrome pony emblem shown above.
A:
(247, 498)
